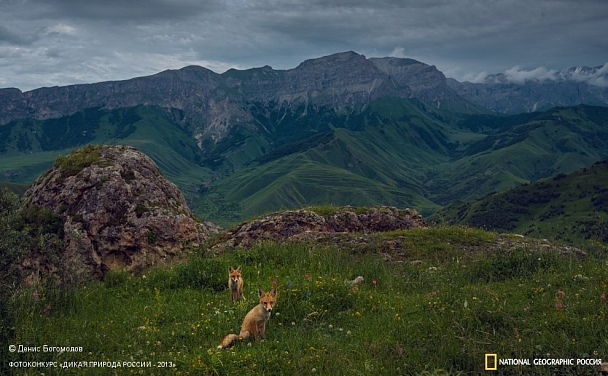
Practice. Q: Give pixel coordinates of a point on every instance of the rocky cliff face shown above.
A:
(425, 82)
(119, 213)
(212, 103)
(310, 225)
(344, 79)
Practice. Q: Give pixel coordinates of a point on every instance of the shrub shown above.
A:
(38, 220)
(78, 159)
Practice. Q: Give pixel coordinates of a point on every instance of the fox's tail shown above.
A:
(231, 338)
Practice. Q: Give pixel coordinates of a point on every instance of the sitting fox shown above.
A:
(255, 320)
(235, 283)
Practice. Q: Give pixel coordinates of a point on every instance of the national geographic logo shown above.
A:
(492, 362)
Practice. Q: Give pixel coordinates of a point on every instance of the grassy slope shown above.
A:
(171, 148)
(150, 130)
(571, 207)
(328, 174)
(378, 158)
(16, 188)
(443, 313)
(404, 155)
(523, 149)
(391, 152)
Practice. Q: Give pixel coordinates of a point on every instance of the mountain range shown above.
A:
(518, 91)
(342, 129)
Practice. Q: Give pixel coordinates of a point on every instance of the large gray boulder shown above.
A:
(119, 212)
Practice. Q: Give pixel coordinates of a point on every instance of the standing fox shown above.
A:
(235, 283)
(255, 320)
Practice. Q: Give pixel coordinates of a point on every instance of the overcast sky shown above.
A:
(62, 42)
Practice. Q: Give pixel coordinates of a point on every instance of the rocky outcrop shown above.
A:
(308, 224)
(363, 231)
(119, 212)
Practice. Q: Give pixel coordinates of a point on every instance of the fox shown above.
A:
(255, 320)
(235, 283)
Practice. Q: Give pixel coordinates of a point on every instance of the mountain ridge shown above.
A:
(308, 77)
(518, 91)
(216, 105)
(510, 92)
(342, 129)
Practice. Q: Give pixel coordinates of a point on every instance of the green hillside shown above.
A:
(400, 153)
(571, 207)
(376, 156)
(521, 149)
(391, 151)
(29, 147)
(16, 188)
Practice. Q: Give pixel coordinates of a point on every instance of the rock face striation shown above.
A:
(213, 103)
(119, 212)
(308, 224)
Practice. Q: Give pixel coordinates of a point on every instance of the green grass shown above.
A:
(570, 207)
(24, 169)
(79, 159)
(18, 189)
(149, 129)
(348, 171)
(391, 152)
(443, 312)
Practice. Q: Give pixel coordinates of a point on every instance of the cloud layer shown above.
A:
(60, 42)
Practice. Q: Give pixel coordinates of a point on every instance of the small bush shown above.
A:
(128, 175)
(39, 220)
(151, 237)
(78, 159)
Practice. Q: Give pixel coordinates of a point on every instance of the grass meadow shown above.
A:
(438, 309)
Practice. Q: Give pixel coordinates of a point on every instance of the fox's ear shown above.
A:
(273, 292)
(261, 292)
(238, 269)
(230, 269)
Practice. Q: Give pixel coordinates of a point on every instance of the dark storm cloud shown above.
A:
(120, 10)
(73, 41)
(8, 37)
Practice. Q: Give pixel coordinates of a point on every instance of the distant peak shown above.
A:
(188, 73)
(347, 54)
(189, 69)
(339, 57)
(395, 61)
(194, 69)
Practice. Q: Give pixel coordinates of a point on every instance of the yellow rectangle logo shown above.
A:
(491, 362)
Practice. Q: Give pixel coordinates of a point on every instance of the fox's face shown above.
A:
(268, 299)
(234, 274)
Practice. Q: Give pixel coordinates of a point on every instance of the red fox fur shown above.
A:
(235, 284)
(255, 320)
